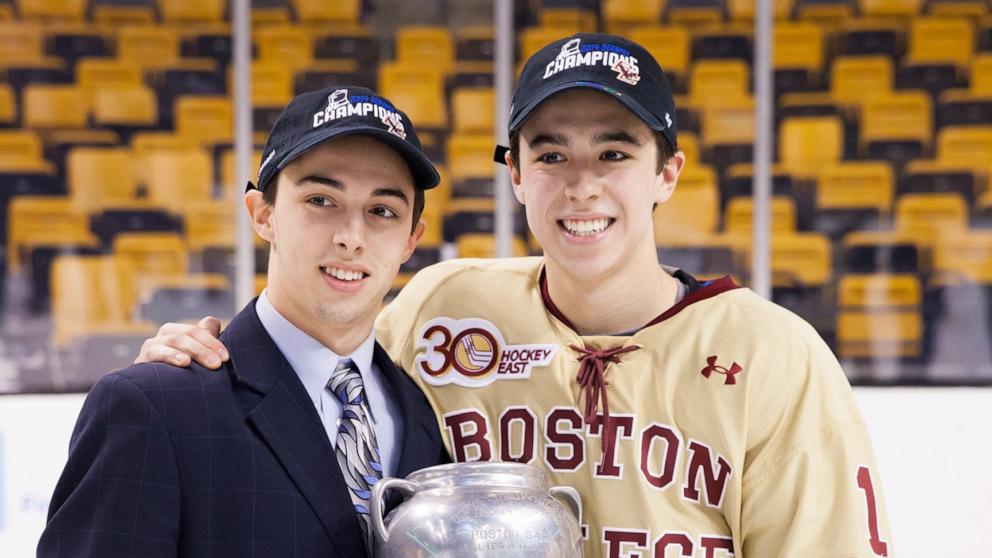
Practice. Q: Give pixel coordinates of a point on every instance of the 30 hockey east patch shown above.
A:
(471, 352)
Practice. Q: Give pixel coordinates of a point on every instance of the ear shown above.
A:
(411, 243)
(260, 213)
(668, 178)
(518, 189)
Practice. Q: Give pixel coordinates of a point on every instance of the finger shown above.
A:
(192, 344)
(210, 341)
(162, 353)
(211, 324)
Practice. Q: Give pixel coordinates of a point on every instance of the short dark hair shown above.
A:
(269, 197)
(665, 148)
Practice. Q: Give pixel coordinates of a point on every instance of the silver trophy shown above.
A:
(478, 510)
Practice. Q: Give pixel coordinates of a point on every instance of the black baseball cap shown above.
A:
(612, 64)
(314, 117)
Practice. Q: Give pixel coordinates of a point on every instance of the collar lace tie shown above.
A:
(592, 365)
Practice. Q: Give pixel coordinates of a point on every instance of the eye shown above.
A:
(550, 158)
(614, 156)
(384, 212)
(319, 201)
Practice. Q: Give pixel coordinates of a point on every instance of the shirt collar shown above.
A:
(313, 362)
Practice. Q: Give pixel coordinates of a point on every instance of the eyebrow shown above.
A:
(618, 136)
(388, 191)
(547, 139)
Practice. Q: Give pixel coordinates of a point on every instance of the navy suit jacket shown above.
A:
(168, 461)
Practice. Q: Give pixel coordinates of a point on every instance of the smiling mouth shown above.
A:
(344, 275)
(585, 227)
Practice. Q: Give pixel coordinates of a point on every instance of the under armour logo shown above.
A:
(668, 119)
(712, 367)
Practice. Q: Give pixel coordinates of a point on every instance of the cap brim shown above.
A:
(424, 174)
(651, 120)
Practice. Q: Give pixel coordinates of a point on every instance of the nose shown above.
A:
(582, 185)
(349, 234)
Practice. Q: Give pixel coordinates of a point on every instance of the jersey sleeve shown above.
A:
(811, 487)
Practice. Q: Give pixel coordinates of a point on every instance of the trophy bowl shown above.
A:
(482, 509)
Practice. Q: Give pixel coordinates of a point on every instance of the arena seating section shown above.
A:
(117, 168)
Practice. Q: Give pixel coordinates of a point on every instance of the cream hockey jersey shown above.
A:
(733, 430)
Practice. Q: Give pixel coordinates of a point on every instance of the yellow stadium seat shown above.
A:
(478, 245)
(831, 13)
(189, 11)
(716, 82)
(799, 46)
(177, 179)
(981, 74)
(271, 83)
(49, 10)
(322, 11)
(856, 185)
(54, 106)
(689, 145)
(209, 223)
(473, 109)
(937, 40)
(285, 44)
(228, 173)
(533, 39)
(148, 46)
(110, 295)
(127, 106)
(93, 74)
(419, 44)
(434, 209)
(806, 144)
(730, 123)
(20, 145)
(621, 15)
(671, 47)
(583, 20)
(968, 146)
(744, 9)
(424, 105)
(114, 15)
(879, 316)
(470, 156)
(100, 178)
(44, 221)
(965, 254)
(209, 119)
(145, 143)
(20, 41)
(8, 105)
(857, 78)
(394, 75)
(801, 260)
(886, 8)
(959, 8)
(928, 216)
(6, 12)
(740, 210)
(152, 254)
(694, 208)
(898, 116)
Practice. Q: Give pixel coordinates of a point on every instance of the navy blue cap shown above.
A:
(314, 117)
(612, 64)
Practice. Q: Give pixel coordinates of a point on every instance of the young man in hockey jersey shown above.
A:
(695, 419)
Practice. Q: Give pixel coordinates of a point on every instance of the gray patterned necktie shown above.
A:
(356, 448)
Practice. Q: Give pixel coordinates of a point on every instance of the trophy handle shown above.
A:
(376, 503)
(570, 497)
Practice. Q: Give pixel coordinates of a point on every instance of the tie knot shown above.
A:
(346, 383)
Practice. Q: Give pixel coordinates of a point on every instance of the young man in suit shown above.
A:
(276, 455)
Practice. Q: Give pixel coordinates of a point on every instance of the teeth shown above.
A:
(584, 228)
(343, 275)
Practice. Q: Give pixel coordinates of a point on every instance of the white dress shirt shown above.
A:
(314, 363)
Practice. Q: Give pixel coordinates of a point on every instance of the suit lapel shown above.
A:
(287, 421)
(417, 417)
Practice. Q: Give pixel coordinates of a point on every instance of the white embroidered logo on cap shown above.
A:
(267, 160)
(574, 54)
(668, 119)
(341, 105)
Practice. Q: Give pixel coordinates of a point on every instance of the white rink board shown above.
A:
(933, 445)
